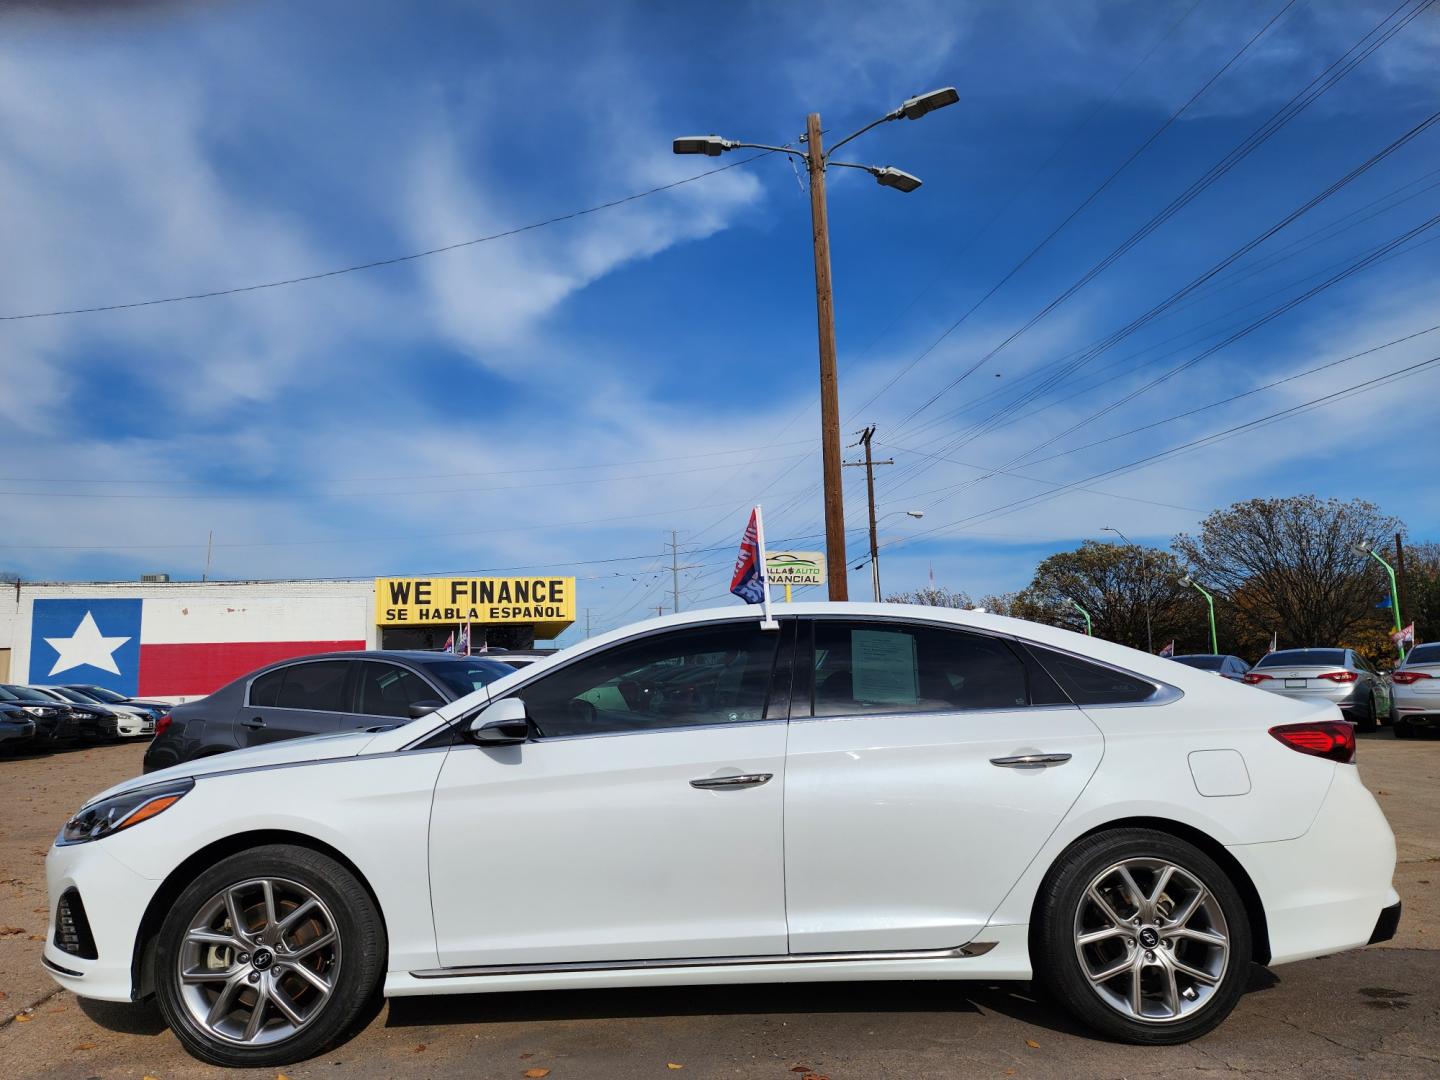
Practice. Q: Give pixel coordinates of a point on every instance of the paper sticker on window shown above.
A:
(882, 667)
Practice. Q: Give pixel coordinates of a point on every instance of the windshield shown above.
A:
(1424, 654)
(70, 695)
(1203, 662)
(24, 693)
(1304, 658)
(100, 693)
(462, 676)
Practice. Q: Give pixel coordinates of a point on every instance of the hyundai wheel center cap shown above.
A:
(1149, 938)
(262, 959)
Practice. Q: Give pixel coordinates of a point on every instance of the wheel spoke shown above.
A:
(1136, 896)
(314, 979)
(238, 926)
(1105, 908)
(1205, 936)
(224, 999)
(1118, 968)
(200, 976)
(1101, 935)
(257, 1015)
(1172, 992)
(212, 937)
(289, 922)
(1185, 914)
(282, 1002)
(1137, 1004)
(309, 947)
(268, 891)
(1194, 972)
(1161, 881)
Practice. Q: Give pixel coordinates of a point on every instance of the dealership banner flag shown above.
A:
(749, 581)
(450, 642)
(462, 646)
(1168, 650)
(1404, 637)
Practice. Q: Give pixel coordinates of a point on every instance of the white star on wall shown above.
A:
(86, 646)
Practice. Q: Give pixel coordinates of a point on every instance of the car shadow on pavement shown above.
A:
(1019, 1001)
(127, 1018)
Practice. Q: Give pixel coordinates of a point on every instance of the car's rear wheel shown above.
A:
(1142, 936)
(268, 957)
(1402, 729)
(1369, 720)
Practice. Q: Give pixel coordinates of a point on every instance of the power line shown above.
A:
(393, 260)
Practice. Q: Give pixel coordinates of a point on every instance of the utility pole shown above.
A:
(587, 624)
(210, 548)
(869, 463)
(676, 567)
(836, 570)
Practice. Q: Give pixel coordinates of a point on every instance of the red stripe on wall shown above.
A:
(191, 670)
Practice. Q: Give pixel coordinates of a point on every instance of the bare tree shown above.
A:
(932, 596)
(1290, 564)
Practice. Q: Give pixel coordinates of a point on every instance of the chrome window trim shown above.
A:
(959, 952)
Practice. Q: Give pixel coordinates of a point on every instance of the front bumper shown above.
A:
(115, 899)
(1387, 925)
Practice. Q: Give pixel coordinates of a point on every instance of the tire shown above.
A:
(1065, 967)
(1368, 721)
(339, 940)
(1402, 729)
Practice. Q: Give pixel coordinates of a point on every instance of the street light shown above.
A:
(1089, 627)
(1367, 547)
(1191, 583)
(875, 550)
(1149, 641)
(816, 162)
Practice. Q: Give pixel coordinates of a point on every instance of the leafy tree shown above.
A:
(1119, 585)
(932, 596)
(1290, 565)
(1421, 590)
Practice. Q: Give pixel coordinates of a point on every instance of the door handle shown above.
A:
(253, 722)
(1022, 760)
(743, 780)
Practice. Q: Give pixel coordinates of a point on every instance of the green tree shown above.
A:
(1421, 589)
(1290, 566)
(1120, 585)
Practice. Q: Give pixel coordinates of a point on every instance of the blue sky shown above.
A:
(561, 399)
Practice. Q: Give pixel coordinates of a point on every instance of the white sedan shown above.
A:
(868, 792)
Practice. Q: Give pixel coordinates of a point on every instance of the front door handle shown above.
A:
(253, 722)
(743, 780)
(1020, 761)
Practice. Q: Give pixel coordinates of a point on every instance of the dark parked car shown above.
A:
(1227, 667)
(17, 728)
(314, 695)
(55, 721)
(106, 696)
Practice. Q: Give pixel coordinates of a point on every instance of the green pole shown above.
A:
(1210, 602)
(1394, 596)
(1089, 627)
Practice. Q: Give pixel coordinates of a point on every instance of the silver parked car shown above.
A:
(1340, 676)
(1227, 667)
(1417, 691)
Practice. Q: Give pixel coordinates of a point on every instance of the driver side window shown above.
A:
(713, 675)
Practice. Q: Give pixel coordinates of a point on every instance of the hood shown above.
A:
(288, 752)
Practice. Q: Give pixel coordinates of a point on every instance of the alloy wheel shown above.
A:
(259, 961)
(1151, 939)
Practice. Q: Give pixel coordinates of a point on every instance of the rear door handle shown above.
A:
(253, 722)
(743, 780)
(1020, 761)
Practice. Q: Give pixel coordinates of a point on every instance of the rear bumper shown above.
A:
(1326, 891)
(1387, 925)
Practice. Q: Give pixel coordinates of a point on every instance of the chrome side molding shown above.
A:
(960, 952)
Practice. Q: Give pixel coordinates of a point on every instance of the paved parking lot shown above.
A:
(1374, 1012)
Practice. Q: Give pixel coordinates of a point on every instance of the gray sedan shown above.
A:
(1417, 691)
(1340, 676)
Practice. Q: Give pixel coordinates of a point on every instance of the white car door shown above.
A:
(641, 821)
(909, 810)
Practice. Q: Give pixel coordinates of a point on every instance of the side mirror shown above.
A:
(502, 723)
(423, 708)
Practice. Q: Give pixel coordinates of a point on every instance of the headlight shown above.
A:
(100, 819)
(40, 710)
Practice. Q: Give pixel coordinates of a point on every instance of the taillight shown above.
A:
(162, 725)
(1330, 739)
(1339, 676)
(1253, 678)
(1405, 678)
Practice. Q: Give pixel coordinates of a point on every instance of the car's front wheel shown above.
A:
(268, 957)
(1142, 936)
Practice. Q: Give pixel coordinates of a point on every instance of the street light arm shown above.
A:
(896, 115)
(764, 146)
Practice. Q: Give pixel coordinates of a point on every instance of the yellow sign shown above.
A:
(548, 602)
(795, 567)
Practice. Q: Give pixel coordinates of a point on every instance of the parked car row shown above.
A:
(41, 716)
(1344, 678)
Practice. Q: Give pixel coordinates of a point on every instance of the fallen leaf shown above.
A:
(672, 1065)
(1032, 1044)
(281, 1076)
(9, 931)
(535, 1074)
(37, 937)
(419, 1048)
(801, 1069)
(84, 1046)
(524, 1056)
(23, 1018)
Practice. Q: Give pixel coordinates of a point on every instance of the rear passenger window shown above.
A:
(317, 686)
(875, 668)
(265, 691)
(1093, 684)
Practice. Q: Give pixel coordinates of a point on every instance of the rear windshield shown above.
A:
(1303, 658)
(1424, 654)
(1204, 663)
(464, 676)
(99, 693)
